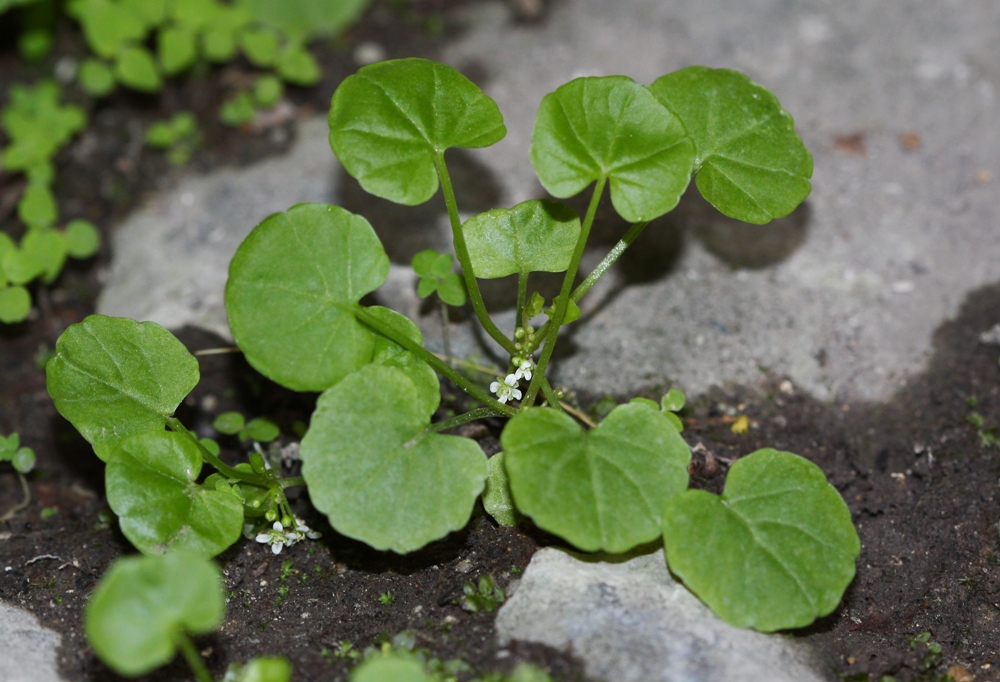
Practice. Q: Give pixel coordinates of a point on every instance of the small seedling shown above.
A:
(21, 458)
(145, 609)
(259, 429)
(38, 127)
(775, 551)
(481, 595)
(177, 136)
(387, 598)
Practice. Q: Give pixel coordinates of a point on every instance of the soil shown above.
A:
(920, 483)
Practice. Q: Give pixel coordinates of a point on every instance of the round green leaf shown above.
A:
(20, 267)
(534, 236)
(136, 69)
(387, 352)
(260, 47)
(37, 207)
(23, 460)
(612, 127)
(297, 66)
(195, 14)
(96, 78)
(229, 423)
(426, 286)
(376, 472)
(775, 551)
(451, 289)
(260, 669)
(82, 238)
(219, 44)
(390, 669)
(292, 285)
(141, 603)
(268, 91)
(389, 121)
(261, 430)
(150, 483)
(152, 12)
(108, 25)
(47, 247)
(15, 304)
(113, 377)
(600, 490)
(751, 165)
(176, 48)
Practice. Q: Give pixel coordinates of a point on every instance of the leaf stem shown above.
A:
(16, 509)
(562, 301)
(522, 298)
(223, 468)
(193, 658)
(550, 395)
(462, 251)
(603, 266)
(444, 368)
(291, 481)
(473, 415)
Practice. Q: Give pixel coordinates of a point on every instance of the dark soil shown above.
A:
(920, 484)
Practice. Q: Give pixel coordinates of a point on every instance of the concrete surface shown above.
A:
(630, 621)
(27, 650)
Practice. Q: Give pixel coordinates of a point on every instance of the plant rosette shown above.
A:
(374, 460)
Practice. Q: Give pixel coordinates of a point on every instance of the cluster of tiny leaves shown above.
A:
(374, 463)
(37, 127)
(21, 458)
(137, 43)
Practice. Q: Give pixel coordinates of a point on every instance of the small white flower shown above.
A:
(300, 533)
(524, 369)
(276, 537)
(506, 390)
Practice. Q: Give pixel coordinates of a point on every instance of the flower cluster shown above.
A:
(507, 389)
(279, 538)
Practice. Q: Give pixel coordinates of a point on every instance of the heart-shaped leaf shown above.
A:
(113, 377)
(376, 472)
(389, 121)
(142, 603)
(775, 551)
(150, 483)
(391, 354)
(534, 236)
(496, 495)
(751, 165)
(602, 490)
(292, 284)
(612, 127)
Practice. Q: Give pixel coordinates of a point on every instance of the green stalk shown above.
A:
(550, 395)
(522, 298)
(562, 302)
(444, 368)
(220, 466)
(291, 481)
(193, 658)
(602, 267)
(478, 413)
(462, 251)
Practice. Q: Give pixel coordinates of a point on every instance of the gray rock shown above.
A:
(27, 650)
(630, 621)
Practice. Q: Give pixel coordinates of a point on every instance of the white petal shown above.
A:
(516, 393)
(494, 386)
(264, 538)
(511, 380)
(527, 374)
(276, 547)
(277, 526)
(503, 398)
(313, 535)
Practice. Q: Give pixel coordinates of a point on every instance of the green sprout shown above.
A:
(482, 595)
(177, 136)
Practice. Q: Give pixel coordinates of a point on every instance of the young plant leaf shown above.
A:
(37, 207)
(612, 127)
(150, 483)
(177, 49)
(113, 377)
(435, 275)
(292, 285)
(15, 304)
(261, 430)
(229, 423)
(534, 236)
(389, 121)
(135, 68)
(601, 490)
(775, 551)
(107, 25)
(260, 47)
(260, 669)
(143, 603)
(387, 352)
(96, 78)
(385, 668)
(297, 66)
(305, 19)
(375, 471)
(82, 238)
(47, 247)
(750, 163)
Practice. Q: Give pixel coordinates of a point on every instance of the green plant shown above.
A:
(177, 136)
(258, 429)
(482, 595)
(37, 127)
(138, 43)
(145, 609)
(782, 547)
(21, 458)
(243, 106)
